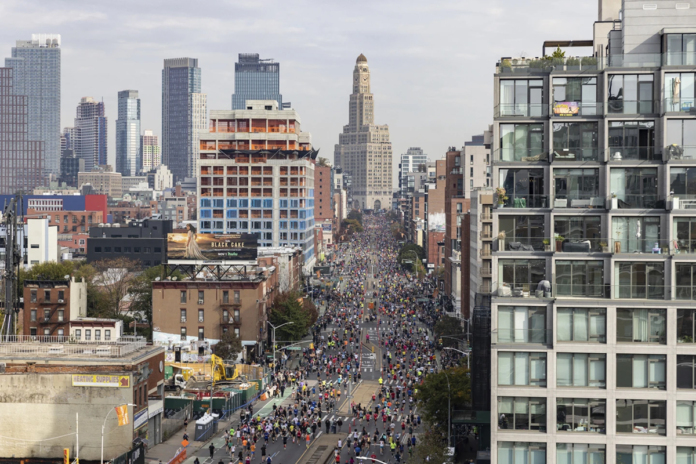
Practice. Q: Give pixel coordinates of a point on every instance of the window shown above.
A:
(681, 50)
(641, 325)
(521, 453)
(632, 140)
(580, 278)
(521, 324)
(183, 333)
(236, 331)
(521, 275)
(686, 281)
(200, 315)
(679, 92)
(684, 239)
(524, 188)
(61, 296)
(47, 295)
(635, 234)
(236, 316)
(580, 370)
(225, 316)
(522, 414)
(88, 335)
(78, 334)
(641, 416)
(521, 97)
(107, 334)
(682, 133)
(686, 455)
(580, 453)
(200, 297)
(577, 229)
(182, 296)
(47, 314)
(97, 334)
(522, 142)
(685, 371)
(517, 368)
(575, 141)
(522, 230)
(683, 182)
(225, 297)
(201, 334)
(576, 188)
(640, 454)
(575, 96)
(686, 329)
(580, 415)
(61, 315)
(236, 297)
(630, 94)
(685, 417)
(33, 296)
(61, 332)
(640, 280)
(581, 325)
(640, 371)
(183, 315)
(33, 315)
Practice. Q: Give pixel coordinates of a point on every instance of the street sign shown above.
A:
(294, 348)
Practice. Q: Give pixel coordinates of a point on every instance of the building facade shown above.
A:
(255, 79)
(90, 142)
(104, 181)
(364, 149)
(129, 157)
(50, 305)
(21, 158)
(144, 241)
(150, 149)
(36, 64)
(593, 308)
(411, 162)
(184, 114)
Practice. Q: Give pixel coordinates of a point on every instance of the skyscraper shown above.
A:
(184, 114)
(90, 133)
(255, 79)
(21, 159)
(149, 147)
(36, 65)
(129, 160)
(364, 149)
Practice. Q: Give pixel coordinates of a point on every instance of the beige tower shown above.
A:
(364, 149)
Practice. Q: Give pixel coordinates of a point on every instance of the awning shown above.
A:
(248, 342)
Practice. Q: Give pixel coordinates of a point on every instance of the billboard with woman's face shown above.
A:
(212, 247)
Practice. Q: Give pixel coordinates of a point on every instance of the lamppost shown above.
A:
(274, 341)
(465, 353)
(414, 262)
(103, 427)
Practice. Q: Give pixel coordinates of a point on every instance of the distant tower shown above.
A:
(184, 114)
(255, 79)
(149, 147)
(129, 160)
(36, 65)
(90, 133)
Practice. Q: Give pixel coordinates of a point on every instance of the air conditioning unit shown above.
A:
(200, 319)
(200, 301)
(60, 301)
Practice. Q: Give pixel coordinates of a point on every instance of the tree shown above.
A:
(450, 327)
(140, 292)
(558, 53)
(323, 162)
(430, 449)
(355, 215)
(50, 270)
(290, 307)
(228, 347)
(113, 279)
(351, 225)
(407, 254)
(434, 394)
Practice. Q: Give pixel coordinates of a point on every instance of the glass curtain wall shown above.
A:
(522, 97)
(575, 141)
(522, 142)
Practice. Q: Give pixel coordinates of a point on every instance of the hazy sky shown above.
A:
(432, 62)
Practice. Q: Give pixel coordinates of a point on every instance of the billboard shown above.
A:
(326, 227)
(212, 247)
(566, 109)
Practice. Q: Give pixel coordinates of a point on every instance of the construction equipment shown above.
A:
(222, 372)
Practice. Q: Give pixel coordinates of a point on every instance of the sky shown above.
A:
(432, 62)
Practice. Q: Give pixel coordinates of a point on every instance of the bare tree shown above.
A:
(113, 278)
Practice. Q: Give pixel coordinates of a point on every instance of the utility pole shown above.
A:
(13, 260)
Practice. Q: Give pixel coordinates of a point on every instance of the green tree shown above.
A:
(50, 270)
(558, 53)
(356, 215)
(140, 292)
(290, 307)
(228, 347)
(451, 327)
(351, 226)
(430, 449)
(407, 254)
(434, 394)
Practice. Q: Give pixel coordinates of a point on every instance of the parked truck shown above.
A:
(176, 377)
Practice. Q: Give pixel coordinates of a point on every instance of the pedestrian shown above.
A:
(212, 450)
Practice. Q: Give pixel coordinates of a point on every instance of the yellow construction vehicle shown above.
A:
(222, 372)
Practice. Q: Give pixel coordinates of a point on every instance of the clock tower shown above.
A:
(361, 103)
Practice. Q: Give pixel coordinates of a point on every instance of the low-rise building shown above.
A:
(103, 181)
(144, 241)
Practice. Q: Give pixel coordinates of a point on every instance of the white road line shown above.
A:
(318, 434)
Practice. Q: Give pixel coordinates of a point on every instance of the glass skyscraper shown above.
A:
(36, 65)
(91, 133)
(129, 158)
(255, 79)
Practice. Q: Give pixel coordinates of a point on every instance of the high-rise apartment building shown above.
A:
(364, 150)
(90, 133)
(36, 65)
(411, 161)
(184, 115)
(593, 356)
(129, 160)
(255, 79)
(21, 158)
(150, 149)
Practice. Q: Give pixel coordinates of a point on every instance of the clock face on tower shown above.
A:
(364, 79)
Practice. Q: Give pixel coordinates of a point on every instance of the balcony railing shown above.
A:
(633, 153)
(621, 106)
(575, 109)
(528, 110)
(521, 155)
(515, 336)
(679, 105)
(580, 201)
(639, 245)
(486, 272)
(525, 201)
(486, 216)
(570, 289)
(679, 59)
(575, 154)
(486, 234)
(681, 152)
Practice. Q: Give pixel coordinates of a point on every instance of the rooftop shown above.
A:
(57, 348)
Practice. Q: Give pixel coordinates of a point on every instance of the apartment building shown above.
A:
(592, 312)
(103, 180)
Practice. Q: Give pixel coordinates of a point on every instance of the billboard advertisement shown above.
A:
(191, 246)
(566, 109)
(326, 227)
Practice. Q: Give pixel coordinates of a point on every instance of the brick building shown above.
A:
(50, 305)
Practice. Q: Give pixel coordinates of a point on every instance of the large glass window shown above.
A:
(679, 92)
(521, 97)
(522, 414)
(632, 140)
(639, 280)
(686, 455)
(630, 94)
(580, 453)
(522, 142)
(686, 326)
(521, 324)
(681, 138)
(518, 368)
(686, 281)
(635, 187)
(575, 96)
(580, 415)
(685, 371)
(521, 275)
(576, 188)
(640, 371)
(575, 141)
(581, 325)
(635, 234)
(685, 417)
(524, 188)
(575, 229)
(640, 454)
(580, 278)
(580, 370)
(641, 416)
(522, 232)
(641, 325)
(683, 182)
(522, 453)
(681, 49)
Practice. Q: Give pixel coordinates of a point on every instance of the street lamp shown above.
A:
(103, 427)
(414, 262)
(465, 353)
(274, 341)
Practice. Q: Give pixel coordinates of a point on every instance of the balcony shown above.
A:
(634, 245)
(547, 65)
(621, 106)
(522, 155)
(526, 110)
(486, 234)
(457, 171)
(486, 272)
(521, 336)
(681, 152)
(524, 201)
(632, 153)
(580, 200)
(486, 216)
(599, 291)
(678, 105)
(575, 109)
(561, 154)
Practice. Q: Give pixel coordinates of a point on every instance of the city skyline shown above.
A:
(423, 65)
